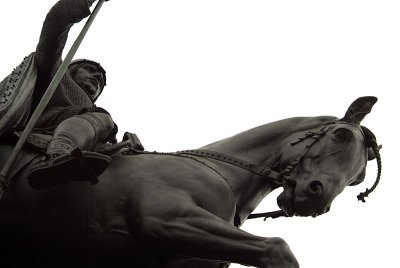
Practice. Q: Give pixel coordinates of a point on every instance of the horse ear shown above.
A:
(359, 109)
(371, 154)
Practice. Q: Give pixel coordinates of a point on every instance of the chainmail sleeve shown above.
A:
(54, 34)
(55, 115)
(59, 20)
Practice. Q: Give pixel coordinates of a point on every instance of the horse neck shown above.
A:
(260, 146)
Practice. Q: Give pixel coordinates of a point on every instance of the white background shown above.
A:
(182, 74)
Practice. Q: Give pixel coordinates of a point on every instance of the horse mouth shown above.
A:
(285, 201)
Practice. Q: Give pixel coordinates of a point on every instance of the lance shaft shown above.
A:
(4, 180)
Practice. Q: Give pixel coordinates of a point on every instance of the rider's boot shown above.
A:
(67, 156)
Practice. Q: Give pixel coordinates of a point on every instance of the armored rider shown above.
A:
(78, 124)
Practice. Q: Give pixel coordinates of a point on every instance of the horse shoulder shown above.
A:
(169, 187)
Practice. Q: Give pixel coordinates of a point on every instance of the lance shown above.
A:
(4, 180)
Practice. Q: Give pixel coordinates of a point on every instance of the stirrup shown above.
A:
(77, 166)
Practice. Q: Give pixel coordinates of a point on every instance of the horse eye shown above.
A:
(342, 135)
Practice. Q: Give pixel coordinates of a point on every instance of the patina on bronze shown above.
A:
(4, 180)
(178, 209)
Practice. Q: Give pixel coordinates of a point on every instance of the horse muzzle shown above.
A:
(307, 200)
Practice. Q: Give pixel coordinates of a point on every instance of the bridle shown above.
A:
(276, 177)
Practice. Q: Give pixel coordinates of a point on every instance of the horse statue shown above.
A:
(185, 209)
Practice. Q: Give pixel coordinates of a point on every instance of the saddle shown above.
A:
(24, 158)
(130, 142)
(38, 142)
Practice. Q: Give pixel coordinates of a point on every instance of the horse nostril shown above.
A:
(315, 187)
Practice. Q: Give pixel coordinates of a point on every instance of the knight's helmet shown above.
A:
(78, 62)
(16, 92)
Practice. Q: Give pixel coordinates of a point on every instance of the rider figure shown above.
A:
(71, 113)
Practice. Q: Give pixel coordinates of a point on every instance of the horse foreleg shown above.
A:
(196, 233)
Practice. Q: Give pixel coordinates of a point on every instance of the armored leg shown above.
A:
(68, 157)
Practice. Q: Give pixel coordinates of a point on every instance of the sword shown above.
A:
(4, 181)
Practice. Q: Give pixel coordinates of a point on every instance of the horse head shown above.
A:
(319, 164)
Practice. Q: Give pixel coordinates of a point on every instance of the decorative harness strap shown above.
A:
(267, 172)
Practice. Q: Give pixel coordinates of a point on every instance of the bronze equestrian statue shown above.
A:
(75, 122)
(185, 209)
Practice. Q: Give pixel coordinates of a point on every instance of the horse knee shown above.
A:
(278, 254)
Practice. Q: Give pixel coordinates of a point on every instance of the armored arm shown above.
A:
(54, 34)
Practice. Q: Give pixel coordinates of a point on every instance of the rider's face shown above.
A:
(90, 78)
